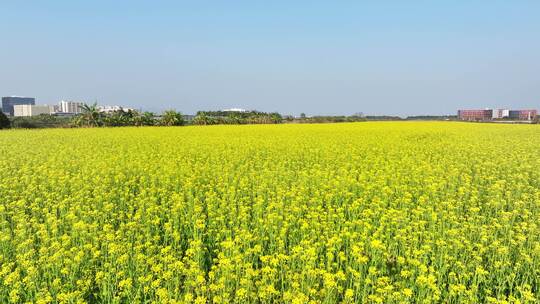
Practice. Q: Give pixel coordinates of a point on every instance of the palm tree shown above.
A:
(202, 119)
(148, 119)
(276, 118)
(172, 118)
(91, 115)
(234, 119)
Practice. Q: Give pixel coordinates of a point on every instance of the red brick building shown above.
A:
(475, 114)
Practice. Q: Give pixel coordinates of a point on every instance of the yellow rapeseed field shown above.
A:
(409, 212)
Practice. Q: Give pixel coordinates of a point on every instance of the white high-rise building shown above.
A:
(31, 110)
(73, 107)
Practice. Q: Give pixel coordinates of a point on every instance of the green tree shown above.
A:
(235, 119)
(144, 119)
(120, 118)
(4, 121)
(276, 118)
(91, 116)
(203, 119)
(172, 118)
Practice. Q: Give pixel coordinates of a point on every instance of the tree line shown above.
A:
(91, 116)
(236, 118)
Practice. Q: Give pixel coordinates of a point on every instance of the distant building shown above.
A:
(523, 114)
(72, 107)
(9, 102)
(501, 113)
(56, 109)
(488, 114)
(475, 115)
(31, 110)
(110, 109)
(234, 110)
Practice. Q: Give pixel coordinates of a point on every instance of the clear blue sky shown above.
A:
(317, 57)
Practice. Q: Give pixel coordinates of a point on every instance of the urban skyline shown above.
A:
(28, 107)
(161, 107)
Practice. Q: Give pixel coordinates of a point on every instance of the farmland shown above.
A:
(395, 212)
